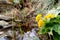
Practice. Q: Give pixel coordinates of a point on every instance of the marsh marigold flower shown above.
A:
(38, 17)
(40, 23)
(49, 16)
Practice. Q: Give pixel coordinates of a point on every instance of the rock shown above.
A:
(7, 26)
(1, 32)
(55, 11)
(31, 35)
(3, 38)
(20, 37)
(16, 1)
(6, 1)
(9, 33)
(3, 23)
(5, 17)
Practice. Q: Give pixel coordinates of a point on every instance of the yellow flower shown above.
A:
(38, 17)
(40, 23)
(49, 16)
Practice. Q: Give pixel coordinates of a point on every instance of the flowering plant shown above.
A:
(49, 24)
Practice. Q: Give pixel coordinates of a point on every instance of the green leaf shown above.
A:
(50, 32)
(56, 28)
(42, 30)
(48, 24)
(56, 36)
